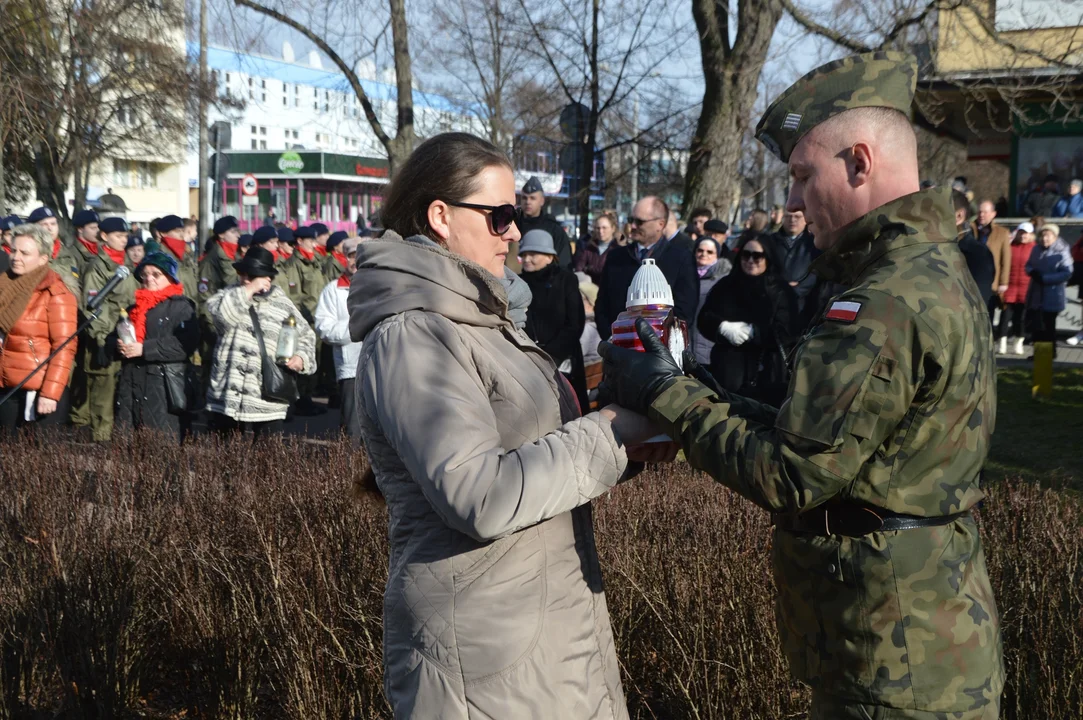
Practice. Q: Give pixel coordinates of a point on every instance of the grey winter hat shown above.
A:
(537, 241)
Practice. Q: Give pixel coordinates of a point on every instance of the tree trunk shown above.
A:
(403, 144)
(3, 179)
(731, 74)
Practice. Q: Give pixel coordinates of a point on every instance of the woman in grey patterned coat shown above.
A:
(235, 396)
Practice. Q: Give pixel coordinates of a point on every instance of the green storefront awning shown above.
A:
(307, 165)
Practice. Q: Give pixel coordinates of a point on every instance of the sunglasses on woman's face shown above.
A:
(500, 216)
(753, 255)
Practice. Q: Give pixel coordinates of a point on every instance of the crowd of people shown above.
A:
(746, 297)
(115, 331)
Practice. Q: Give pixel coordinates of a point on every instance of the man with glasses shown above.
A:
(533, 202)
(872, 464)
(649, 218)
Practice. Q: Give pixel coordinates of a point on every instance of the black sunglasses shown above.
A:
(753, 255)
(640, 221)
(501, 216)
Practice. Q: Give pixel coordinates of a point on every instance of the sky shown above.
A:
(793, 52)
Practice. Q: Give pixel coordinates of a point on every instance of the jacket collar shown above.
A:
(919, 218)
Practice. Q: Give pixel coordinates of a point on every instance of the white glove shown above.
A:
(737, 333)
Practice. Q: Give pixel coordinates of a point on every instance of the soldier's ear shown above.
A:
(861, 163)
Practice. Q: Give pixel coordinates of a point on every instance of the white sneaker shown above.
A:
(1002, 346)
(1075, 339)
(1018, 349)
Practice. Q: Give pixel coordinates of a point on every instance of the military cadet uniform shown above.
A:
(289, 275)
(216, 271)
(306, 280)
(75, 258)
(60, 261)
(335, 263)
(872, 464)
(101, 362)
(187, 268)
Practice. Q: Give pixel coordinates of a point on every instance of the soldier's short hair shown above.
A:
(39, 234)
(887, 124)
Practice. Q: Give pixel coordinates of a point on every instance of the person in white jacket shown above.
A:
(333, 327)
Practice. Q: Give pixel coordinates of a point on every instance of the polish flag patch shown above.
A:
(843, 311)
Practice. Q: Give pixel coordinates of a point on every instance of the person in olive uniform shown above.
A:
(216, 272)
(872, 463)
(102, 363)
(76, 257)
(336, 262)
(323, 236)
(289, 275)
(174, 244)
(305, 288)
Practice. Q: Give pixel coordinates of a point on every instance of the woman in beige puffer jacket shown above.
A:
(494, 605)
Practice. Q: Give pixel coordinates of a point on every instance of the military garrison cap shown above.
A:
(884, 78)
(532, 185)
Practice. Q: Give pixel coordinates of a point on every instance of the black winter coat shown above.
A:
(172, 336)
(676, 264)
(555, 321)
(756, 368)
(980, 261)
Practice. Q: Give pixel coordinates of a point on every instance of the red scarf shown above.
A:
(56, 248)
(116, 256)
(340, 258)
(177, 247)
(147, 299)
(344, 281)
(230, 249)
(321, 250)
(306, 254)
(283, 253)
(92, 247)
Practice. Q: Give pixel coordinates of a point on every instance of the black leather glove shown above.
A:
(633, 379)
(694, 369)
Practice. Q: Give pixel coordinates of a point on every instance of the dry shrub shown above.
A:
(223, 580)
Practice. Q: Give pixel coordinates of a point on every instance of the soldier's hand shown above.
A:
(634, 379)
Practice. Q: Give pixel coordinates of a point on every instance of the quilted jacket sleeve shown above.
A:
(62, 324)
(421, 386)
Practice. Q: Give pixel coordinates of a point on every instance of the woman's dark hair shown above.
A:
(747, 237)
(444, 167)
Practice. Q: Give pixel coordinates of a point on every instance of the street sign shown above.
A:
(249, 186)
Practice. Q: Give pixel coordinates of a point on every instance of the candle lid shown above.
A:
(649, 287)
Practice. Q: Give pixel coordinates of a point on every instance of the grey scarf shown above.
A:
(519, 297)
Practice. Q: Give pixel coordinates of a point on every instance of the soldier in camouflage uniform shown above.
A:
(171, 231)
(872, 464)
(101, 362)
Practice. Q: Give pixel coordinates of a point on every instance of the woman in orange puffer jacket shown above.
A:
(37, 314)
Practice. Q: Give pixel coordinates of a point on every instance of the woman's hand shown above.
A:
(631, 428)
(45, 406)
(256, 285)
(296, 363)
(130, 350)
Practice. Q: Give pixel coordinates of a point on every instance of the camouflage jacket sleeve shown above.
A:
(853, 384)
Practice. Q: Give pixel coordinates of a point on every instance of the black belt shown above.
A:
(857, 520)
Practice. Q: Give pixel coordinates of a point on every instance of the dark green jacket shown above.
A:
(308, 282)
(215, 272)
(188, 272)
(102, 331)
(72, 262)
(890, 409)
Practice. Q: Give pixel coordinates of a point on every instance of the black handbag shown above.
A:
(180, 387)
(279, 383)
